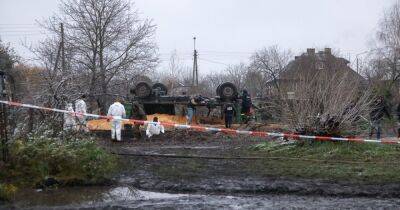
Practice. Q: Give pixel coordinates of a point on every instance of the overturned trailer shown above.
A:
(154, 100)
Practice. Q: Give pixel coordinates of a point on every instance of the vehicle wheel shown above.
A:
(227, 90)
(143, 89)
(161, 88)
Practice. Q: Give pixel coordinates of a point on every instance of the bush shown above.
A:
(68, 159)
(7, 191)
(326, 104)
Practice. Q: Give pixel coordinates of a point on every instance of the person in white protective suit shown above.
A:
(69, 118)
(154, 128)
(80, 108)
(117, 111)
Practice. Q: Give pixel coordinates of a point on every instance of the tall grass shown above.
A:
(68, 160)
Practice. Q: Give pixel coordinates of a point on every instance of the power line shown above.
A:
(178, 56)
(21, 31)
(31, 34)
(226, 57)
(211, 61)
(18, 27)
(180, 59)
(227, 52)
(16, 24)
(211, 52)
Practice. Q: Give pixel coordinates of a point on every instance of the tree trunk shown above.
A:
(103, 81)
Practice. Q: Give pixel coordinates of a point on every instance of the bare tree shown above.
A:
(255, 82)
(389, 28)
(269, 63)
(327, 103)
(212, 81)
(58, 84)
(175, 66)
(237, 75)
(107, 40)
(176, 75)
(383, 59)
(173, 76)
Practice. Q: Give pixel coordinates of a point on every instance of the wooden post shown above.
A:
(3, 119)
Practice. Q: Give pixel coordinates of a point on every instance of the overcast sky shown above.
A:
(227, 31)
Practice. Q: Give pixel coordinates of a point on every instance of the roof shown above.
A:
(310, 63)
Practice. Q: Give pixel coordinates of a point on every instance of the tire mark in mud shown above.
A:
(247, 158)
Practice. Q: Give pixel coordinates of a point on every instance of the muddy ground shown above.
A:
(192, 170)
(124, 197)
(193, 162)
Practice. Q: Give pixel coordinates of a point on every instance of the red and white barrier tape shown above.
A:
(211, 129)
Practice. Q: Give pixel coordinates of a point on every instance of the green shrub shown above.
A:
(68, 159)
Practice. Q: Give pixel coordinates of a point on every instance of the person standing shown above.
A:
(117, 112)
(229, 112)
(80, 109)
(246, 106)
(191, 110)
(69, 119)
(378, 111)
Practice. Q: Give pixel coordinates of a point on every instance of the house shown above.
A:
(311, 66)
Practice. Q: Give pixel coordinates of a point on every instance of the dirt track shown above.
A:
(189, 173)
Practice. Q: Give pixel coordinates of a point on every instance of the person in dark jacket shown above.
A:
(246, 106)
(379, 110)
(246, 102)
(229, 112)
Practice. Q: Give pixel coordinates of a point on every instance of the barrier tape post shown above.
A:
(209, 129)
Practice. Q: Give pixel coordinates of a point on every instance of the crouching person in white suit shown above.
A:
(154, 128)
(117, 111)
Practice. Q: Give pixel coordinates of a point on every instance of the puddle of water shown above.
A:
(126, 197)
(86, 197)
(129, 194)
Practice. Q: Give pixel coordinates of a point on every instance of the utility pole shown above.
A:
(195, 81)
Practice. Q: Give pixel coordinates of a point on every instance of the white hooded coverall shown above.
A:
(69, 118)
(154, 128)
(117, 111)
(80, 107)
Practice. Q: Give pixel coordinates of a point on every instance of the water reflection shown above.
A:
(124, 197)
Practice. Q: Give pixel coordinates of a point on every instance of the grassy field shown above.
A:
(337, 161)
(348, 162)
